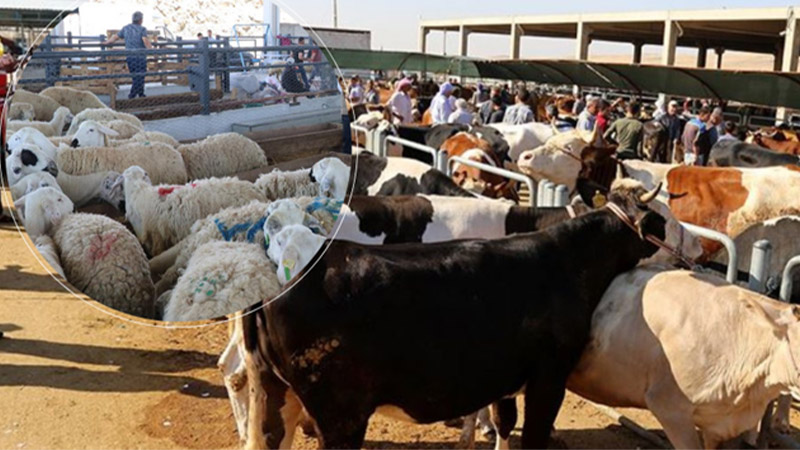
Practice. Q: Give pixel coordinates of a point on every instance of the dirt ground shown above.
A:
(72, 376)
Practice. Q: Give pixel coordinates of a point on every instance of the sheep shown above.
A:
(112, 134)
(328, 177)
(163, 215)
(238, 224)
(149, 136)
(47, 248)
(99, 256)
(162, 162)
(32, 182)
(333, 176)
(28, 159)
(44, 107)
(292, 249)
(29, 135)
(74, 99)
(102, 115)
(54, 127)
(221, 278)
(21, 111)
(220, 155)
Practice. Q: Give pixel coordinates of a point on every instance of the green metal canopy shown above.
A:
(751, 87)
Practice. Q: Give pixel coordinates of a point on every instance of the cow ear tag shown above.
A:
(599, 200)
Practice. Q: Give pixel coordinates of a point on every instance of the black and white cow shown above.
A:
(428, 332)
(731, 153)
(375, 175)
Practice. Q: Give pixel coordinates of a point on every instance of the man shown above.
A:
(199, 36)
(400, 103)
(290, 81)
(461, 115)
(301, 56)
(486, 109)
(356, 91)
(694, 128)
(135, 36)
(498, 111)
(552, 116)
(627, 133)
(730, 132)
(441, 106)
(519, 113)
(588, 117)
(715, 125)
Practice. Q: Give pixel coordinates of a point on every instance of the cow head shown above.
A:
(633, 198)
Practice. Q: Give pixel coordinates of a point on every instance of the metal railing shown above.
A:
(437, 155)
(550, 194)
(356, 129)
(730, 247)
(205, 58)
(494, 170)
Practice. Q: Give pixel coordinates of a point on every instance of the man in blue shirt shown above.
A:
(135, 36)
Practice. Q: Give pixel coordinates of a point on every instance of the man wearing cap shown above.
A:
(135, 36)
(400, 103)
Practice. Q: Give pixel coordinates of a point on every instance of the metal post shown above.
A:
(786, 280)
(52, 68)
(204, 87)
(562, 196)
(226, 75)
(69, 37)
(549, 194)
(759, 262)
(540, 193)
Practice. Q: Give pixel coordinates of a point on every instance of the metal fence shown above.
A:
(85, 62)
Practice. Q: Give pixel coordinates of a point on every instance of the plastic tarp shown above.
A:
(750, 87)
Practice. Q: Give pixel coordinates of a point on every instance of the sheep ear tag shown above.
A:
(599, 200)
(288, 265)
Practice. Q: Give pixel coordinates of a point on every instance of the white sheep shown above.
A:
(292, 249)
(99, 256)
(44, 107)
(148, 136)
(221, 155)
(102, 115)
(163, 215)
(162, 162)
(285, 212)
(28, 159)
(221, 278)
(74, 99)
(32, 182)
(333, 176)
(29, 135)
(112, 134)
(21, 111)
(237, 224)
(54, 127)
(47, 248)
(284, 184)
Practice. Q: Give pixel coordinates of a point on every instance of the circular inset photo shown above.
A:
(174, 162)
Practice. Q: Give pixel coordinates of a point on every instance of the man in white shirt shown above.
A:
(400, 103)
(461, 114)
(441, 107)
(588, 116)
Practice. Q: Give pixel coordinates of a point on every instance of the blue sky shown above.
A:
(394, 23)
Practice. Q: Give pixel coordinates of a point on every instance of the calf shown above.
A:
(694, 350)
(338, 343)
(780, 146)
(476, 149)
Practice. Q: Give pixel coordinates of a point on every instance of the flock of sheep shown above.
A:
(196, 243)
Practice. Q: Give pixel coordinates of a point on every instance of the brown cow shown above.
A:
(473, 148)
(780, 146)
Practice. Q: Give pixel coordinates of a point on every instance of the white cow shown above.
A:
(524, 137)
(693, 349)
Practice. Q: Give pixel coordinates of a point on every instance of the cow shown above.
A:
(734, 153)
(473, 148)
(374, 175)
(520, 138)
(693, 349)
(780, 146)
(724, 199)
(337, 344)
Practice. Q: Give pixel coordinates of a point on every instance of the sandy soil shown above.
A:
(74, 377)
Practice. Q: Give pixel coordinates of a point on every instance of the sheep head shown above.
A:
(26, 159)
(43, 209)
(285, 212)
(333, 177)
(113, 190)
(292, 249)
(92, 134)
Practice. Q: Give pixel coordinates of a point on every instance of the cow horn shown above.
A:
(650, 196)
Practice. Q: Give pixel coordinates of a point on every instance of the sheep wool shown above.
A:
(102, 115)
(278, 184)
(74, 99)
(103, 260)
(163, 215)
(47, 248)
(147, 136)
(222, 278)
(21, 111)
(44, 107)
(221, 155)
(162, 162)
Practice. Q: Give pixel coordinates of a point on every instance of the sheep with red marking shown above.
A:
(99, 256)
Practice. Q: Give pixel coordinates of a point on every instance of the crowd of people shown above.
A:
(618, 123)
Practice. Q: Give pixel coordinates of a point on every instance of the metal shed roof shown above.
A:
(750, 87)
